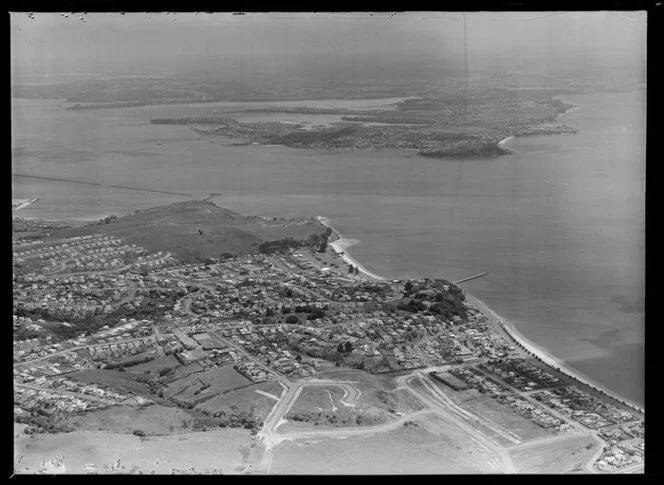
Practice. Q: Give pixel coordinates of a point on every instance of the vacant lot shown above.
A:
(331, 406)
(409, 449)
(318, 398)
(563, 455)
(155, 366)
(490, 409)
(245, 400)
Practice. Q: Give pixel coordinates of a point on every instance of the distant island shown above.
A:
(434, 127)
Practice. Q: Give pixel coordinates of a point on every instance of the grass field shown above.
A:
(152, 420)
(155, 366)
(492, 410)
(182, 372)
(206, 384)
(122, 381)
(81, 452)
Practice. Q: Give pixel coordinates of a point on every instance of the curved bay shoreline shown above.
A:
(340, 246)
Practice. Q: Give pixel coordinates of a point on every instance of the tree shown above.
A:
(408, 287)
(357, 271)
(349, 347)
(269, 312)
(340, 348)
(292, 319)
(350, 268)
(322, 247)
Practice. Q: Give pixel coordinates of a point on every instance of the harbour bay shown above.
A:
(559, 224)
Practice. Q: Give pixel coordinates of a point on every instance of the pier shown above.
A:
(211, 196)
(479, 275)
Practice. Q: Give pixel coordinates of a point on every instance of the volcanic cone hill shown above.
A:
(195, 230)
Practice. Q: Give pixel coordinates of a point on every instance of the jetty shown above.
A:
(479, 275)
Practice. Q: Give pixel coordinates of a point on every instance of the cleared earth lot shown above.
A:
(428, 446)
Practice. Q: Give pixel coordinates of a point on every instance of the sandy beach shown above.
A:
(341, 244)
(544, 356)
(18, 204)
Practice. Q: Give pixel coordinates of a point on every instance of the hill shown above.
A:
(195, 230)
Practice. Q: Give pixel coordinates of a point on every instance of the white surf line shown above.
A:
(340, 247)
(334, 408)
(548, 358)
(267, 394)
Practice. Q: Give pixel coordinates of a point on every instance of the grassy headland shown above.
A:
(196, 230)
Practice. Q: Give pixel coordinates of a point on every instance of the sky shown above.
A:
(139, 43)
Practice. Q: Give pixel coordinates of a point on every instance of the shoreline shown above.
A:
(23, 204)
(549, 359)
(340, 246)
(505, 140)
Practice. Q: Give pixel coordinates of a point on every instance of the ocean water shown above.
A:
(559, 224)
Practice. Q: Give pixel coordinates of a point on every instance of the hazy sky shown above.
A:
(52, 43)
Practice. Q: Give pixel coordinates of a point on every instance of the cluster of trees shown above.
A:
(449, 304)
(346, 348)
(379, 289)
(40, 422)
(235, 419)
(279, 246)
(412, 305)
(319, 240)
(447, 299)
(313, 313)
(353, 269)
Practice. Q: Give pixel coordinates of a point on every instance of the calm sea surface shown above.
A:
(559, 224)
